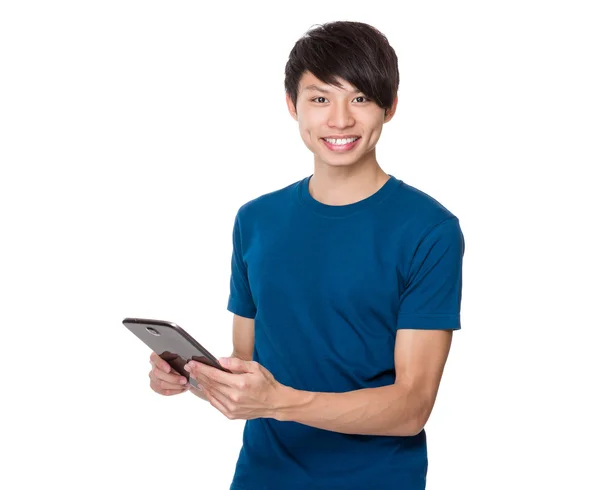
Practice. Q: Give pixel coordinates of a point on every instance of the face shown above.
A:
(324, 111)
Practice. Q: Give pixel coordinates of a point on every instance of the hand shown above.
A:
(251, 392)
(164, 380)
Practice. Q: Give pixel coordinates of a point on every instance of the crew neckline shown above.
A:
(332, 211)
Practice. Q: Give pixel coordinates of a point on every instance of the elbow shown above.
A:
(417, 424)
(408, 425)
(419, 420)
(408, 429)
(415, 413)
(416, 429)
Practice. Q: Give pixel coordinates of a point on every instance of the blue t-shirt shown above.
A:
(328, 287)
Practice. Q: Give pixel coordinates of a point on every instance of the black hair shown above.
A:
(353, 51)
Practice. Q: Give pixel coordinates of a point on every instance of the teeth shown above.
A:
(340, 142)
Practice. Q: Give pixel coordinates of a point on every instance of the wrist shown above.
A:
(290, 400)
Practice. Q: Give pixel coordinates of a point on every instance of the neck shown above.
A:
(338, 186)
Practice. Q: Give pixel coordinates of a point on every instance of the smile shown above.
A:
(346, 144)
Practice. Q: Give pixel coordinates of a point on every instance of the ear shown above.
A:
(290, 106)
(391, 111)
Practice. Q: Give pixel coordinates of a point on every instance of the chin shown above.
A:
(340, 164)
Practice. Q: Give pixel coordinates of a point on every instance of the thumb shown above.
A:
(235, 364)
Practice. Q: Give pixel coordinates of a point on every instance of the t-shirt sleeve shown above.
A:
(240, 298)
(432, 293)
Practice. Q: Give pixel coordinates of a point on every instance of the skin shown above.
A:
(340, 178)
(166, 382)
(399, 409)
(251, 391)
(163, 380)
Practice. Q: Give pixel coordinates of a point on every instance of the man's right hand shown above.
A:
(164, 380)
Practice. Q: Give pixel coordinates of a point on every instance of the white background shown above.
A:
(130, 134)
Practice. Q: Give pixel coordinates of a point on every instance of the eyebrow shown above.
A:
(324, 90)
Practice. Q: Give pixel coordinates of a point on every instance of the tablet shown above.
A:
(172, 343)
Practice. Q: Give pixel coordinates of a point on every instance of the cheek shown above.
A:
(307, 125)
(374, 136)
(306, 135)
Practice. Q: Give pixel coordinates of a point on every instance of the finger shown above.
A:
(208, 382)
(224, 393)
(217, 401)
(165, 389)
(173, 392)
(160, 363)
(173, 377)
(169, 392)
(212, 374)
(237, 365)
(169, 381)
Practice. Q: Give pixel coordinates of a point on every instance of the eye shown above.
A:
(359, 97)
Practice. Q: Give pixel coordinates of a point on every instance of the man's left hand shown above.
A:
(251, 392)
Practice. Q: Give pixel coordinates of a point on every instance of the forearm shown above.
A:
(388, 410)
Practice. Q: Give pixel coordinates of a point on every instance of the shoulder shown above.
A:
(425, 230)
(268, 203)
(418, 214)
(422, 204)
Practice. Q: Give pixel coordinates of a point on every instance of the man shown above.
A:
(345, 289)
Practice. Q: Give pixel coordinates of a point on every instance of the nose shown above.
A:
(340, 116)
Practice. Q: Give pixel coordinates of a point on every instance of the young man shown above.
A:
(345, 289)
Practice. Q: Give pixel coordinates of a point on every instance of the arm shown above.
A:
(243, 344)
(429, 312)
(400, 409)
